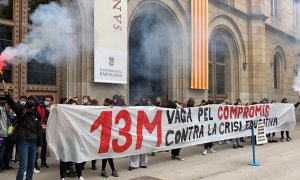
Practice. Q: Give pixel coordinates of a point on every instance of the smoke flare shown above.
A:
(48, 39)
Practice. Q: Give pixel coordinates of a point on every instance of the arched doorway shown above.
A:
(148, 56)
(154, 40)
(223, 66)
(279, 65)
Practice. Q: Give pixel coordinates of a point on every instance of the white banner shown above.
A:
(110, 41)
(84, 133)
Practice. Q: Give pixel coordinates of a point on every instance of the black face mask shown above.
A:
(29, 104)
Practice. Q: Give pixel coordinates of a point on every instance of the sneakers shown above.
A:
(8, 168)
(44, 164)
(240, 146)
(36, 171)
(153, 154)
(94, 167)
(179, 158)
(288, 139)
(62, 179)
(234, 147)
(227, 142)
(71, 174)
(81, 178)
(104, 174)
(114, 174)
(282, 139)
(212, 151)
(130, 168)
(143, 166)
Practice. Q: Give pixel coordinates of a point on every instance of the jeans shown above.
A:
(236, 141)
(2, 148)
(27, 153)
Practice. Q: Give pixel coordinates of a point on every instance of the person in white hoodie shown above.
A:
(3, 135)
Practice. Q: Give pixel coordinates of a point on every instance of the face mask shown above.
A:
(85, 101)
(22, 103)
(46, 103)
(29, 104)
(13, 116)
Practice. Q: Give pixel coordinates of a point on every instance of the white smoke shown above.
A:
(296, 85)
(48, 39)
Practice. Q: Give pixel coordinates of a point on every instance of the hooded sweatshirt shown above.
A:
(3, 123)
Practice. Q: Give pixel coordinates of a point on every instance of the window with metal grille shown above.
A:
(6, 9)
(6, 34)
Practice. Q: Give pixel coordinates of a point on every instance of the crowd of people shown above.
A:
(24, 125)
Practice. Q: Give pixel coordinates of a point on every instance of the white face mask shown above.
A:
(46, 103)
(85, 101)
(22, 103)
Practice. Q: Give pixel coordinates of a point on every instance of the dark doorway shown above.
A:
(149, 58)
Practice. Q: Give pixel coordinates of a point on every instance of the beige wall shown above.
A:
(255, 42)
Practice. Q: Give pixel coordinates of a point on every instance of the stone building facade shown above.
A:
(252, 49)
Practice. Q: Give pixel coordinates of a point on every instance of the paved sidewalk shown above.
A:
(279, 161)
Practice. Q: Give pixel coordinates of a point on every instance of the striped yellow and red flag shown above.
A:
(199, 44)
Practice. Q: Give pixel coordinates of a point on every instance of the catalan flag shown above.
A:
(199, 28)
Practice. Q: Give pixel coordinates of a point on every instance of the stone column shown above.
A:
(257, 51)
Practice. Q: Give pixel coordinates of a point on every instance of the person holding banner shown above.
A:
(86, 101)
(191, 102)
(117, 101)
(140, 160)
(114, 173)
(122, 100)
(272, 135)
(226, 102)
(75, 100)
(158, 102)
(207, 146)
(288, 138)
(94, 102)
(237, 141)
(175, 152)
(63, 165)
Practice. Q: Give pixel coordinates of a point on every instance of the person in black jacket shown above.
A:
(28, 132)
(288, 138)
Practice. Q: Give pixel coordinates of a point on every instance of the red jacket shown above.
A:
(41, 109)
